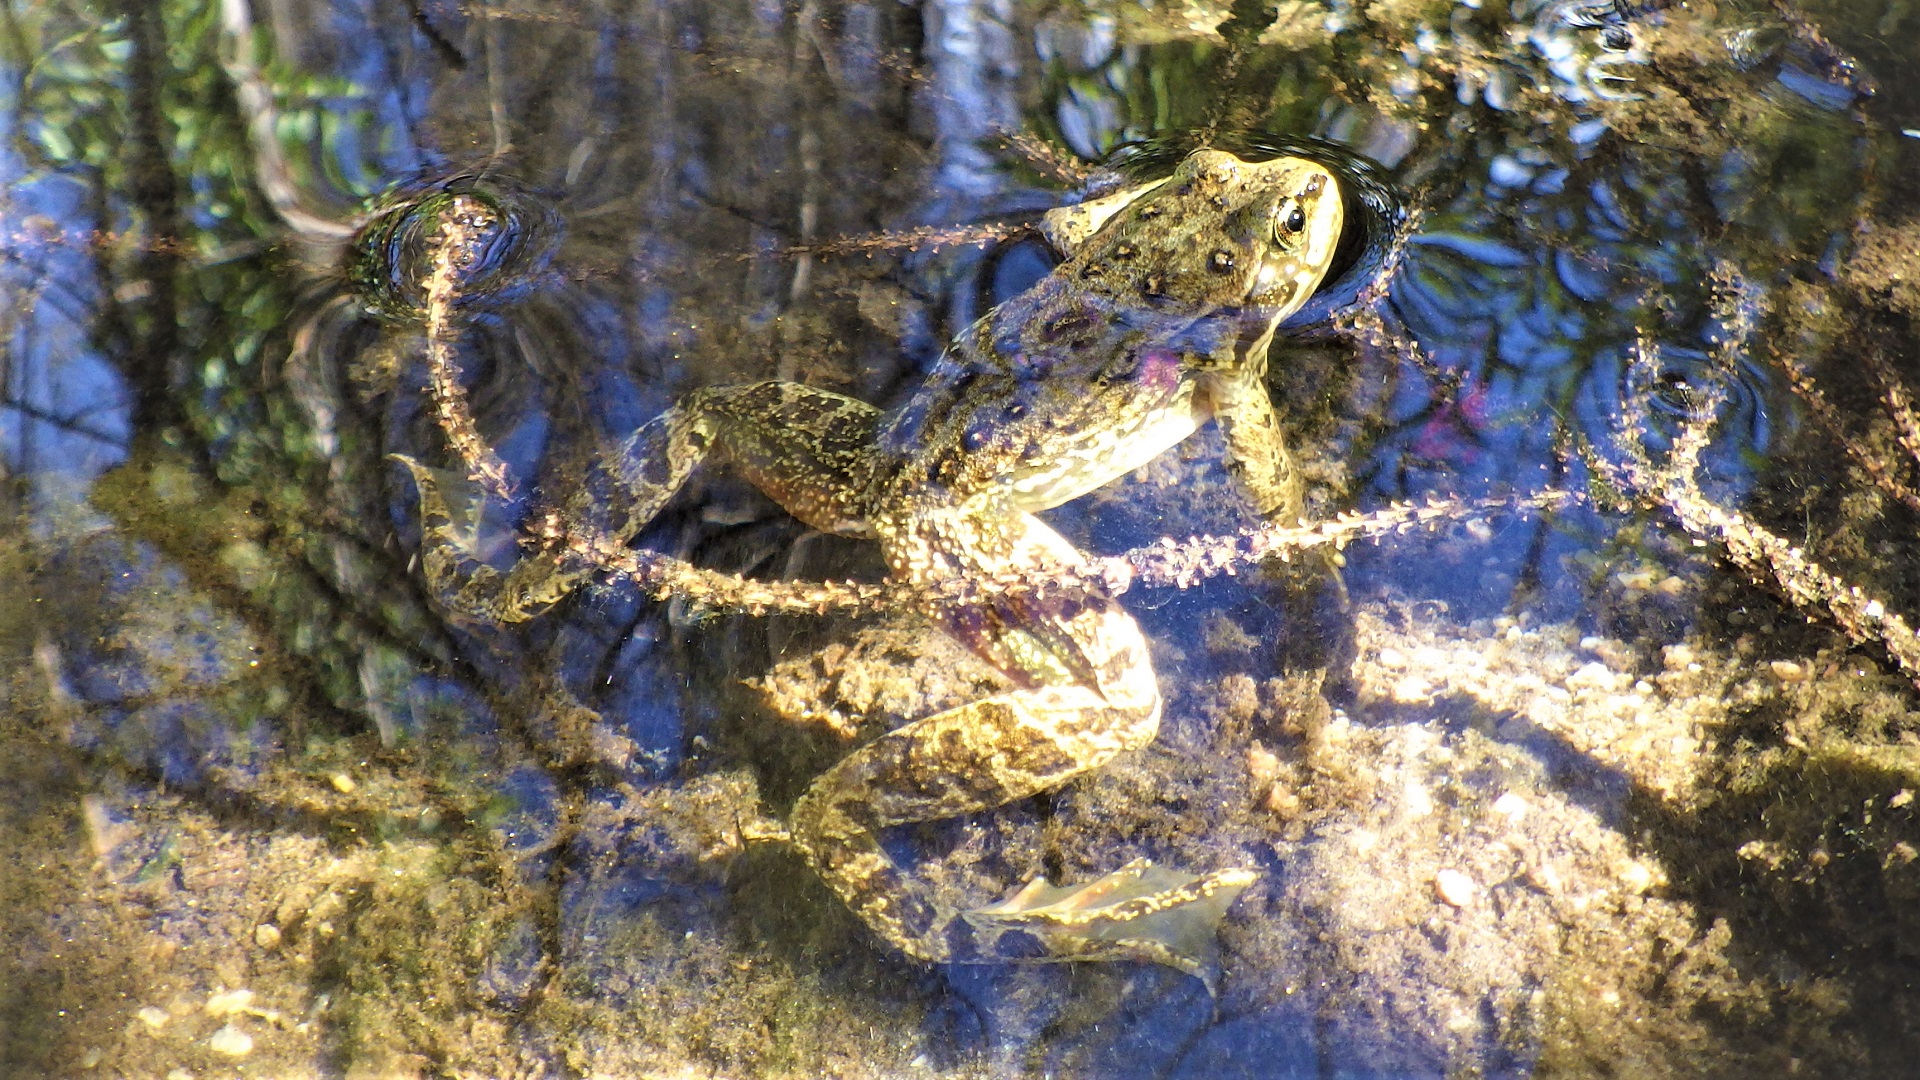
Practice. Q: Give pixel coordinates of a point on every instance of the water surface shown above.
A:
(1624, 788)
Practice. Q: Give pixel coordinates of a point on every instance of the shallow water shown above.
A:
(1621, 787)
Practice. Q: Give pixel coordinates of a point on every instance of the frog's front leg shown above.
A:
(810, 450)
(1072, 713)
(1261, 464)
(1257, 454)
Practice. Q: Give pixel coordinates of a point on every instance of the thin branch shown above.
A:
(64, 423)
(1876, 466)
(462, 229)
(924, 238)
(1178, 564)
(1768, 559)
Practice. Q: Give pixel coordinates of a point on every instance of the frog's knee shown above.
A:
(1085, 727)
(1132, 695)
(1136, 726)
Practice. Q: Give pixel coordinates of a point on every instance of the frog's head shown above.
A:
(1275, 225)
(1221, 233)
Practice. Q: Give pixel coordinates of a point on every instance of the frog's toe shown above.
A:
(1138, 912)
(451, 505)
(450, 510)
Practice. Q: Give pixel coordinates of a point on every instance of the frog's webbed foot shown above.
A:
(1138, 912)
(451, 507)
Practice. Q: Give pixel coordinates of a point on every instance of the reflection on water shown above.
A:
(1615, 790)
(507, 255)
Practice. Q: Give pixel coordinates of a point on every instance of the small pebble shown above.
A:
(1511, 806)
(1412, 690)
(231, 1042)
(1546, 878)
(1415, 800)
(1591, 676)
(1636, 877)
(228, 1002)
(267, 936)
(1454, 887)
(1900, 798)
(343, 783)
(1787, 671)
(1635, 580)
(1262, 764)
(1282, 801)
(154, 1017)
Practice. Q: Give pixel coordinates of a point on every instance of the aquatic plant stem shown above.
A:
(1766, 558)
(1178, 564)
(1877, 468)
(459, 231)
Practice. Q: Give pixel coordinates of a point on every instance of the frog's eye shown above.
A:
(1296, 220)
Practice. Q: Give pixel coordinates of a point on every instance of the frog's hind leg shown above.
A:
(810, 450)
(998, 749)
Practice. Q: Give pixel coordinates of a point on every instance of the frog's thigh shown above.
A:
(978, 755)
(809, 450)
(967, 758)
(1008, 746)
(1086, 638)
(984, 753)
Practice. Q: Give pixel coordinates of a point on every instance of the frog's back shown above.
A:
(1094, 371)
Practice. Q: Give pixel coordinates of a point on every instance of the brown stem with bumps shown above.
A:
(457, 233)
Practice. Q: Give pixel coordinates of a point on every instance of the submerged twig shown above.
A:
(1906, 426)
(459, 233)
(1046, 159)
(1877, 468)
(1767, 558)
(924, 238)
(1170, 563)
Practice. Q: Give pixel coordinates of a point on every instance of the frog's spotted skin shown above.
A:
(1158, 320)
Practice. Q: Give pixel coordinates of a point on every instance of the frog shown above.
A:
(1159, 317)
